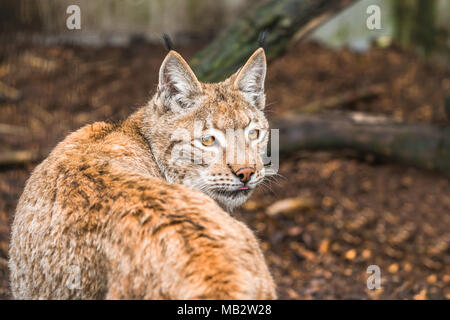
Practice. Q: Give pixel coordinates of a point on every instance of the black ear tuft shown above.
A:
(167, 42)
(262, 38)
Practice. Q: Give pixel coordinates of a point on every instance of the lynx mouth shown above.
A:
(242, 191)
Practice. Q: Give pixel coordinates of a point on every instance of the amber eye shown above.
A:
(207, 141)
(253, 134)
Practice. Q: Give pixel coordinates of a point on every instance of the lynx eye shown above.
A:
(253, 134)
(207, 141)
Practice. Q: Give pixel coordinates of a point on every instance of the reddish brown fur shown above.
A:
(100, 205)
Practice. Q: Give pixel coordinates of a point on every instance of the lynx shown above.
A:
(115, 213)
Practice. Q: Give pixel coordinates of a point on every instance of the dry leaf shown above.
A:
(348, 272)
(432, 278)
(329, 168)
(350, 254)
(393, 268)
(252, 205)
(324, 246)
(38, 62)
(446, 278)
(366, 253)
(292, 294)
(407, 267)
(348, 204)
(290, 204)
(422, 295)
(302, 251)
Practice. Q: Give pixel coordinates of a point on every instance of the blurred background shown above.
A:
(363, 113)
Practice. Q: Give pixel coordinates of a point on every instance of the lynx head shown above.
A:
(210, 136)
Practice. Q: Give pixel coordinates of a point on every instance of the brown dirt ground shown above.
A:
(349, 211)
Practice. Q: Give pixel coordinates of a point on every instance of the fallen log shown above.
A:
(342, 99)
(420, 145)
(284, 20)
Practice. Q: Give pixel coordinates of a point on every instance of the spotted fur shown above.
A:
(112, 214)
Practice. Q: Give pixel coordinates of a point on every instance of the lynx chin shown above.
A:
(127, 210)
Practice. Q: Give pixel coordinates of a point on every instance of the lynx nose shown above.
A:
(244, 174)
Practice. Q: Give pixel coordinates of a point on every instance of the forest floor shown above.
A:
(329, 216)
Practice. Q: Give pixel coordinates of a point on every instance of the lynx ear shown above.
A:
(178, 87)
(250, 79)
